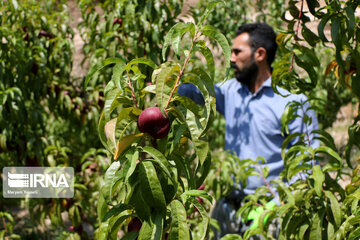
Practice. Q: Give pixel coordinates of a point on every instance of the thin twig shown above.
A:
(181, 72)
(132, 89)
(267, 184)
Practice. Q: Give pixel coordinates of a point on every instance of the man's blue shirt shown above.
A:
(253, 127)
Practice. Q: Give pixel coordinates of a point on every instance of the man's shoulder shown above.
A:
(287, 96)
(229, 84)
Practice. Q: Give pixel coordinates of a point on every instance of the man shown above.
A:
(252, 112)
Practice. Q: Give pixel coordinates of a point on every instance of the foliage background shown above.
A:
(48, 119)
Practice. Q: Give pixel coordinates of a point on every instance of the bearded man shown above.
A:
(252, 112)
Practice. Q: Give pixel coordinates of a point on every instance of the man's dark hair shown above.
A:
(261, 35)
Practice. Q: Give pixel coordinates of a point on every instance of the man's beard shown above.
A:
(247, 74)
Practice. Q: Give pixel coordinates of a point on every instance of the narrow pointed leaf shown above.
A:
(179, 229)
(125, 142)
(161, 77)
(335, 207)
(98, 66)
(101, 130)
(329, 151)
(152, 228)
(213, 33)
(151, 187)
(175, 35)
(204, 215)
(115, 211)
(206, 52)
(134, 159)
(208, 10)
(109, 175)
(319, 178)
(161, 161)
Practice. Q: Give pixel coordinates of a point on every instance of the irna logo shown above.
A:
(38, 182)
(19, 180)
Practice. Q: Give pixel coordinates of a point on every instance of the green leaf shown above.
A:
(116, 210)
(98, 66)
(162, 162)
(201, 146)
(102, 207)
(309, 36)
(151, 187)
(108, 180)
(319, 178)
(130, 171)
(204, 215)
(335, 207)
(335, 32)
(174, 37)
(213, 33)
(117, 74)
(152, 228)
(326, 138)
(179, 229)
(131, 235)
(321, 27)
(101, 130)
(197, 193)
(206, 52)
(231, 237)
(142, 209)
(312, 4)
(109, 100)
(209, 8)
(126, 142)
(207, 90)
(289, 195)
(188, 103)
(351, 21)
(355, 234)
(120, 69)
(328, 151)
(74, 215)
(316, 231)
(309, 69)
(161, 76)
(302, 230)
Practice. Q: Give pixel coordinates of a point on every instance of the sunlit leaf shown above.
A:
(161, 76)
(213, 33)
(152, 228)
(98, 66)
(125, 142)
(108, 180)
(335, 208)
(151, 187)
(179, 228)
(319, 178)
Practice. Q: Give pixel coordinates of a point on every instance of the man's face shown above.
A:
(242, 59)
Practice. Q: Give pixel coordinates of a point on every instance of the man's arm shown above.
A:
(191, 91)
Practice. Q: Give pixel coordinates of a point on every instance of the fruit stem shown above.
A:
(181, 71)
(132, 89)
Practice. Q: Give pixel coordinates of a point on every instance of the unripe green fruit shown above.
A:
(153, 122)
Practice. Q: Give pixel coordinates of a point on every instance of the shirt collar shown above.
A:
(266, 84)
